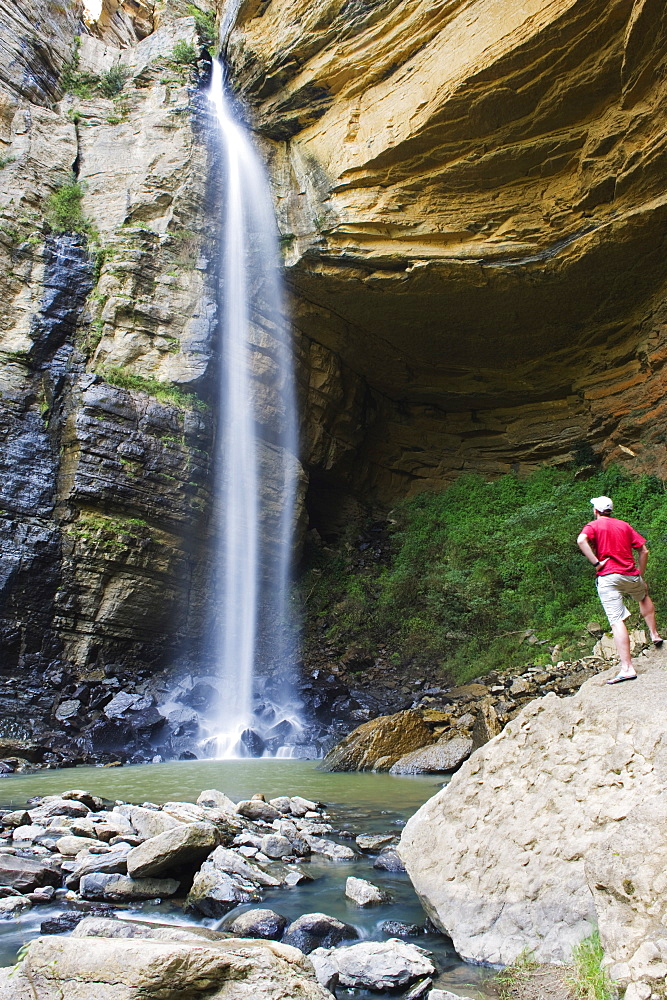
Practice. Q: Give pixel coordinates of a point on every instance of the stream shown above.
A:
(356, 803)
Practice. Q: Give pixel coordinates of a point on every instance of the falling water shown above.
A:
(256, 467)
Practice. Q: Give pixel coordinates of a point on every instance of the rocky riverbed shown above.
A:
(209, 873)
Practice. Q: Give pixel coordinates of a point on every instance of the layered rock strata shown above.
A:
(553, 828)
(473, 207)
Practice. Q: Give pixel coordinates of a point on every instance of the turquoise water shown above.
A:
(356, 803)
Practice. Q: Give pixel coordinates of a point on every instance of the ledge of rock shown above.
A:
(555, 826)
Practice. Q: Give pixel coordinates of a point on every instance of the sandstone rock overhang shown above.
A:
(474, 213)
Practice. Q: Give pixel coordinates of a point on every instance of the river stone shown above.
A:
(26, 874)
(110, 927)
(255, 809)
(389, 737)
(11, 906)
(329, 849)
(55, 805)
(19, 817)
(445, 995)
(275, 846)
(121, 887)
(229, 861)
(28, 834)
(317, 930)
(557, 825)
(146, 822)
(259, 924)
(374, 965)
(184, 844)
(135, 968)
(71, 846)
(389, 860)
(364, 893)
(67, 709)
(399, 928)
(113, 863)
(213, 799)
(282, 803)
(214, 892)
(300, 806)
(434, 759)
(373, 841)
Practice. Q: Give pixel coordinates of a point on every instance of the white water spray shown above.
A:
(256, 465)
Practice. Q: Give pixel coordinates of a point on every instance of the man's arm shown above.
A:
(643, 559)
(586, 548)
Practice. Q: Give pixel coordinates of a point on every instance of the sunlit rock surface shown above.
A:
(473, 201)
(554, 827)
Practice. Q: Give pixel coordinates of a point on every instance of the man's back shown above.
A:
(615, 541)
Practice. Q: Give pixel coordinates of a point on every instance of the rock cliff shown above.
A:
(472, 199)
(553, 827)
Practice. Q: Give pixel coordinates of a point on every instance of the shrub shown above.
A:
(184, 54)
(63, 209)
(112, 82)
(205, 24)
(166, 392)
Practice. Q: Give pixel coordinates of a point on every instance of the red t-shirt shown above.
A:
(616, 539)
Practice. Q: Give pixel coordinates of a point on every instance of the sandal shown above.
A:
(622, 677)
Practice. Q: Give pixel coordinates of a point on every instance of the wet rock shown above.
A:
(254, 742)
(297, 877)
(419, 990)
(26, 874)
(446, 995)
(214, 892)
(329, 849)
(389, 737)
(255, 809)
(184, 844)
(68, 709)
(259, 924)
(374, 965)
(372, 842)
(364, 893)
(11, 906)
(317, 930)
(398, 928)
(434, 759)
(389, 860)
(122, 887)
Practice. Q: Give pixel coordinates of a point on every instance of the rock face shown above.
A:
(131, 968)
(553, 827)
(473, 196)
(382, 740)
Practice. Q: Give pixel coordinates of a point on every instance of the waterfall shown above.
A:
(255, 459)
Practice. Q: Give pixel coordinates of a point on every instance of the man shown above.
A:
(610, 544)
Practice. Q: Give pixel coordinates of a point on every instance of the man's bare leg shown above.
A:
(647, 608)
(622, 641)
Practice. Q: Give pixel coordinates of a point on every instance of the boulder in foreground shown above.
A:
(135, 968)
(555, 826)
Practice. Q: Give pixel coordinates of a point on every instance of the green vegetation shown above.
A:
(6, 160)
(456, 578)
(166, 392)
(110, 533)
(513, 975)
(590, 982)
(205, 24)
(184, 54)
(63, 209)
(113, 81)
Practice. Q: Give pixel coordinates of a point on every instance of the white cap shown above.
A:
(602, 504)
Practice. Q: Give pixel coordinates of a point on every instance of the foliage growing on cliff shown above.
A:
(184, 54)
(63, 209)
(166, 392)
(460, 576)
(205, 24)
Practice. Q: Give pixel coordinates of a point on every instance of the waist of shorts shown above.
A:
(624, 576)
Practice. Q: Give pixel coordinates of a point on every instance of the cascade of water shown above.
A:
(256, 465)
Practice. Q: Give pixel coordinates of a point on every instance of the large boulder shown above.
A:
(317, 930)
(559, 824)
(135, 968)
(26, 874)
(385, 739)
(372, 965)
(438, 758)
(183, 844)
(120, 888)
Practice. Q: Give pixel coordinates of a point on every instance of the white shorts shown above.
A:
(613, 587)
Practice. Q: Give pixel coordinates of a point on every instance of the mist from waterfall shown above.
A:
(256, 469)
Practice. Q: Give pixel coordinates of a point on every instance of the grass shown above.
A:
(454, 579)
(166, 392)
(111, 533)
(516, 973)
(590, 982)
